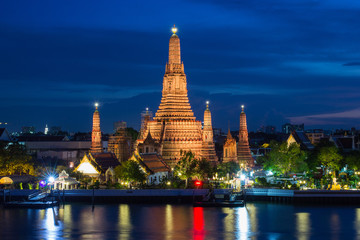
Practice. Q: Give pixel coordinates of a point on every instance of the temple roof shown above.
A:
(153, 162)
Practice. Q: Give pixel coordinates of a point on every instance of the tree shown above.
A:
(283, 159)
(330, 158)
(186, 167)
(204, 169)
(353, 160)
(130, 171)
(231, 168)
(15, 160)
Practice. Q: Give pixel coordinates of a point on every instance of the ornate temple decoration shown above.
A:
(243, 150)
(229, 152)
(96, 143)
(174, 126)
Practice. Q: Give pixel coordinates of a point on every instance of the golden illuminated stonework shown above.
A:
(174, 126)
(243, 149)
(229, 149)
(96, 143)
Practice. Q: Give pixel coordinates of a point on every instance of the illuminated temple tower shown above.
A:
(174, 125)
(229, 152)
(243, 150)
(96, 143)
(208, 150)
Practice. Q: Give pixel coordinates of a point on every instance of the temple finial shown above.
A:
(242, 108)
(174, 29)
(207, 105)
(96, 106)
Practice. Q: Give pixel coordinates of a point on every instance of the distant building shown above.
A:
(345, 143)
(28, 130)
(119, 125)
(99, 166)
(268, 129)
(46, 131)
(120, 144)
(288, 128)
(301, 139)
(54, 130)
(315, 135)
(4, 135)
(153, 165)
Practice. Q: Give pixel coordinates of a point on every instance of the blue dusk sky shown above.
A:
(286, 61)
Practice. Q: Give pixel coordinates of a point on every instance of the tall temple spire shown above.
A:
(96, 143)
(174, 102)
(243, 150)
(174, 48)
(229, 148)
(208, 151)
(207, 130)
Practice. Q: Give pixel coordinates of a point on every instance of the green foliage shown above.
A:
(261, 181)
(231, 168)
(283, 159)
(15, 160)
(186, 167)
(130, 171)
(132, 133)
(330, 157)
(353, 160)
(204, 169)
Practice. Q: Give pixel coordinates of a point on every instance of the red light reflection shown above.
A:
(199, 232)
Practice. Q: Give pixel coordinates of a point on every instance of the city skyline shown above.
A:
(286, 62)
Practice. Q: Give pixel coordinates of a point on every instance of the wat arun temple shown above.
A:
(174, 129)
(174, 126)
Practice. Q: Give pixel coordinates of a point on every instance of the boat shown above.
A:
(38, 199)
(31, 204)
(239, 203)
(212, 200)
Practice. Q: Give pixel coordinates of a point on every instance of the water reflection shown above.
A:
(335, 225)
(242, 223)
(124, 221)
(303, 226)
(256, 221)
(50, 224)
(198, 215)
(168, 221)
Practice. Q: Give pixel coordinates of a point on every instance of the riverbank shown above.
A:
(303, 196)
(120, 196)
(189, 195)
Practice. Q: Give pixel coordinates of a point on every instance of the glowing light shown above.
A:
(96, 104)
(174, 29)
(42, 183)
(147, 109)
(242, 106)
(207, 102)
(51, 179)
(242, 177)
(87, 168)
(197, 183)
(168, 183)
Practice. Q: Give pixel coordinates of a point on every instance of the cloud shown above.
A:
(327, 118)
(350, 64)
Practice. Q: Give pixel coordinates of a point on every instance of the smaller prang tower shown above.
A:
(229, 149)
(243, 150)
(208, 149)
(96, 143)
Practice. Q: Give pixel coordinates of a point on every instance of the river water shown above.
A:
(256, 221)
